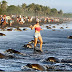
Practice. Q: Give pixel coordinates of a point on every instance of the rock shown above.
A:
(36, 66)
(53, 59)
(70, 37)
(18, 29)
(53, 29)
(66, 27)
(66, 60)
(2, 70)
(2, 56)
(10, 56)
(61, 28)
(36, 50)
(9, 29)
(25, 29)
(50, 68)
(28, 46)
(32, 41)
(14, 51)
(54, 26)
(48, 27)
(1, 34)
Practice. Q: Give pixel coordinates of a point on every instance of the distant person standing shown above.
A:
(37, 34)
(3, 21)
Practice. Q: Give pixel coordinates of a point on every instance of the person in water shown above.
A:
(37, 34)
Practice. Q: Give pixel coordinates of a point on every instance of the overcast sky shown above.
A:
(65, 5)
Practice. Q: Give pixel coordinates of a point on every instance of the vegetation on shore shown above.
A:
(31, 10)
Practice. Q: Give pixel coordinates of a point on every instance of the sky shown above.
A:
(65, 5)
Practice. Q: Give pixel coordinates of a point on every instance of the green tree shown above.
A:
(1, 11)
(0, 4)
(53, 12)
(4, 5)
(31, 7)
(46, 10)
(37, 9)
(13, 10)
(60, 12)
(67, 15)
(24, 6)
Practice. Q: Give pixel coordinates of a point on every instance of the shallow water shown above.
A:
(56, 44)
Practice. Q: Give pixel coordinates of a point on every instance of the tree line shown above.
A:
(31, 10)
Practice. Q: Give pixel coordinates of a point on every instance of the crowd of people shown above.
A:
(21, 20)
(5, 20)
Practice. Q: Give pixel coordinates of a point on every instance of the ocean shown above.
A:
(55, 44)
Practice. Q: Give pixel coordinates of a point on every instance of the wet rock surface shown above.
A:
(1, 34)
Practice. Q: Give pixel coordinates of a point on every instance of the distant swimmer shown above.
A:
(37, 34)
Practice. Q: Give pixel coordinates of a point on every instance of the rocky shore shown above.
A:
(27, 24)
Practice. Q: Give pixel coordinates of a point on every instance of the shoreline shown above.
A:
(27, 24)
